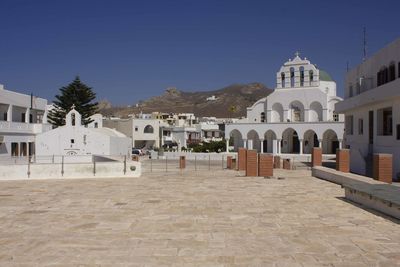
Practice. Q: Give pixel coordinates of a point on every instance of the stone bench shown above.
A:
(373, 194)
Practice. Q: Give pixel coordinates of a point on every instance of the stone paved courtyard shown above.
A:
(192, 219)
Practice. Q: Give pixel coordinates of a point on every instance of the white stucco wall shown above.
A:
(372, 98)
(70, 170)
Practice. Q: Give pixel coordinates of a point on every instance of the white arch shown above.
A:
(330, 142)
(277, 112)
(253, 140)
(269, 137)
(148, 129)
(301, 71)
(236, 137)
(315, 112)
(292, 77)
(296, 109)
(310, 140)
(290, 141)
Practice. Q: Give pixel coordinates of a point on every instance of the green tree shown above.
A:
(75, 94)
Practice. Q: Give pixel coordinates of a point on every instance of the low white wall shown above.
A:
(70, 170)
(373, 202)
(373, 194)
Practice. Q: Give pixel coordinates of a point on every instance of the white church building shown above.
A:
(74, 139)
(297, 116)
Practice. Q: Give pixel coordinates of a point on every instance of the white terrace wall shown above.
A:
(70, 170)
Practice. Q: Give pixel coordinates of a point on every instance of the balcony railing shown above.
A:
(22, 127)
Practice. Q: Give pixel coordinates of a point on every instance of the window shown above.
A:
(96, 125)
(30, 118)
(398, 131)
(73, 119)
(398, 69)
(14, 149)
(311, 74)
(292, 77)
(301, 76)
(385, 75)
(360, 126)
(349, 125)
(262, 116)
(283, 79)
(378, 78)
(136, 128)
(385, 121)
(392, 72)
(148, 129)
(72, 141)
(5, 116)
(335, 116)
(358, 88)
(351, 90)
(22, 117)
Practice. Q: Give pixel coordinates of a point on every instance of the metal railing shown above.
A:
(91, 161)
(171, 163)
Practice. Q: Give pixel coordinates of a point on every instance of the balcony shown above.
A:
(23, 128)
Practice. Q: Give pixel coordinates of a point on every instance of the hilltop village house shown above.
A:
(75, 139)
(21, 118)
(297, 116)
(372, 110)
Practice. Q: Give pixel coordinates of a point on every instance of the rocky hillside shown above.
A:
(230, 101)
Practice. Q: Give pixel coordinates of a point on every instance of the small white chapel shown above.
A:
(75, 139)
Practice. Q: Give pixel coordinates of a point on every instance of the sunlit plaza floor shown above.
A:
(203, 218)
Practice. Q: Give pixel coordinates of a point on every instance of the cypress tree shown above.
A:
(75, 94)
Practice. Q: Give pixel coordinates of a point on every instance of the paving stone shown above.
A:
(216, 218)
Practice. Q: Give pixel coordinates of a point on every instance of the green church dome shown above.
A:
(324, 76)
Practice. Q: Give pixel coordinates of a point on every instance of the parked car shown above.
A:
(136, 151)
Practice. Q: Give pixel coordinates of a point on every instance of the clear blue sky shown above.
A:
(131, 50)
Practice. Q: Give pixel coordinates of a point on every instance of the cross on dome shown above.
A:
(297, 53)
(73, 106)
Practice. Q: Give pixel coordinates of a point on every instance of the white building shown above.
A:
(211, 98)
(180, 136)
(97, 121)
(22, 117)
(296, 117)
(74, 139)
(145, 133)
(210, 131)
(372, 109)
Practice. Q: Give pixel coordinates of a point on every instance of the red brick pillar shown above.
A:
(241, 164)
(383, 164)
(251, 163)
(182, 162)
(316, 157)
(265, 165)
(277, 162)
(343, 160)
(286, 164)
(229, 162)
